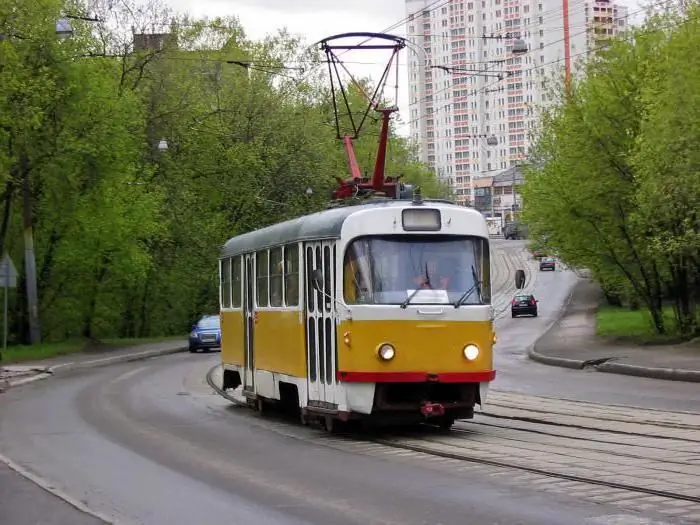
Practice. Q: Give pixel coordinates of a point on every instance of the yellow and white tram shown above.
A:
(380, 311)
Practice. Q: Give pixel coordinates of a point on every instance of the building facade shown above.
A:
(472, 101)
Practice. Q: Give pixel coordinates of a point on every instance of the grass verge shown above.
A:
(21, 353)
(623, 324)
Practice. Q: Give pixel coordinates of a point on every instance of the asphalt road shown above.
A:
(148, 443)
(22, 502)
(517, 373)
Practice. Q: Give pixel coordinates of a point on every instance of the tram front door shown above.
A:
(320, 323)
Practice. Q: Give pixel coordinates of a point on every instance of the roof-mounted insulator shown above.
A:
(417, 197)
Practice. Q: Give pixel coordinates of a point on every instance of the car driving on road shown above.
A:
(548, 263)
(523, 304)
(205, 334)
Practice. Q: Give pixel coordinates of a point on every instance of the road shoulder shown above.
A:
(26, 501)
(17, 375)
(571, 342)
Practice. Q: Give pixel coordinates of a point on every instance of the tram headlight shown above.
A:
(471, 352)
(386, 352)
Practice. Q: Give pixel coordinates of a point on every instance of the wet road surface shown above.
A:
(24, 503)
(517, 373)
(148, 443)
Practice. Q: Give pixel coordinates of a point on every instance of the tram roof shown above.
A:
(322, 225)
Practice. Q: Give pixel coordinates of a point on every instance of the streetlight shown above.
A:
(519, 47)
(163, 145)
(64, 29)
(309, 191)
(492, 141)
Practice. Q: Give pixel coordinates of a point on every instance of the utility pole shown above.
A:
(567, 45)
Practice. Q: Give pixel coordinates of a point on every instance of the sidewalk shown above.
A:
(20, 374)
(572, 343)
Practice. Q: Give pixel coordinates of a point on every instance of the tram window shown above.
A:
(309, 265)
(276, 277)
(225, 283)
(236, 283)
(319, 293)
(262, 274)
(327, 268)
(386, 269)
(291, 274)
(483, 254)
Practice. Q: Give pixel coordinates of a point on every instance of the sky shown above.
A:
(317, 19)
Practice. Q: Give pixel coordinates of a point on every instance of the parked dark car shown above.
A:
(206, 334)
(515, 231)
(523, 304)
(548, 263)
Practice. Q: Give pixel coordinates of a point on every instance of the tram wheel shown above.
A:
(333, 425)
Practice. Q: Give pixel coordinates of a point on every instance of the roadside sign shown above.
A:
(8, 279)
(8, 273)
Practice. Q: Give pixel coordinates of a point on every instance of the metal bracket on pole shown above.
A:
(8, 279)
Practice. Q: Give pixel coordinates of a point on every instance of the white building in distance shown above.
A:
(471, 99)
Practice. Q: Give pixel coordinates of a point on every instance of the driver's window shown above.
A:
(356, 288)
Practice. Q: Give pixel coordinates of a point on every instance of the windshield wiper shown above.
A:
(476, 286)
(418, 289)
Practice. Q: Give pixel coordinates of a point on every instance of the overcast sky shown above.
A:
(316, 19)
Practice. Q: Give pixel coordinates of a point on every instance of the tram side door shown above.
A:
(249, 320)
(320, 322)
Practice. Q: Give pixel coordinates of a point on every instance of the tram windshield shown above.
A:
(417, 269)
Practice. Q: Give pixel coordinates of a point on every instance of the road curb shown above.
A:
(51, 489)
(93, 363)
(608, 366)
(668, 374)
(561, 362)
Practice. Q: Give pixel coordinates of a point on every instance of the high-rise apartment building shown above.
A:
(472, 99)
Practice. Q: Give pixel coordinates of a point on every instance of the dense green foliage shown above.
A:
(127, 236)
(617, 187)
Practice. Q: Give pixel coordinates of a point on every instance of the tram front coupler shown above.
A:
(432, 409)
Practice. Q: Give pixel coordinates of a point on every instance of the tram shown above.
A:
(377, 309)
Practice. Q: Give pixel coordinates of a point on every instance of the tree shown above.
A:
(666, 159)
(595, 190)
(127, 236)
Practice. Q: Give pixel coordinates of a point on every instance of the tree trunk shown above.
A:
(92, 305)
(6, 213)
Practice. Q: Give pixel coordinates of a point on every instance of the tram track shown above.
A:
(508, 259)
(550, 473)
(639, 457)
(636, 464)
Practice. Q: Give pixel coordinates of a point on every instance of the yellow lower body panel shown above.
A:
(280, 342)
(232, 337)
(432, 347)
